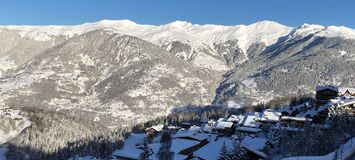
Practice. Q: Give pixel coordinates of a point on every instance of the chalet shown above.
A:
(222, 120)
(346, 92)
(253, 154)
(185, 125)
(189, 150)
(198, 139)
(209, 126)
(325, 93)
(257, 148)
(344, 105)
(204, 121)
(182, 148)
(249, 124)
(173, 128)
(293, 123)
(154, 129)
(234, 119)
(270, 116)
(195, 128)
(211, 151)
(226, 128)
(128, 154)
(249, 130)
(250, 120)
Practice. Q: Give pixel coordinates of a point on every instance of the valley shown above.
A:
(91, 84)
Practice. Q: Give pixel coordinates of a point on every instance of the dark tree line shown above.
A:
(54, 135)
(316, 141)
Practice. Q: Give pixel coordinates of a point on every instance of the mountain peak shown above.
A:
(124, 22)
(266, 24)
(179, 24)
(306, 29)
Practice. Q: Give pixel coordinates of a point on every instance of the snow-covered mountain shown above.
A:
(29, 54)
(119, 73)
(108, 74)
(200, 44)
(196, 35)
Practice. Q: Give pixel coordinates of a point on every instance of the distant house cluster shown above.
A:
(340, 99)
(204, 140)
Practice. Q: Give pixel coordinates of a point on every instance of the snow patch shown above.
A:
(232, 104)
(207, 61)
(87, 60)
(250, 83)
(342, 52)
(6, 64)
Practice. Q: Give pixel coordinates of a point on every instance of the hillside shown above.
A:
(113, 74)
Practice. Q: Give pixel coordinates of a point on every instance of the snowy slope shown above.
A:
(263, 31)
(12, 124)
(202, 41)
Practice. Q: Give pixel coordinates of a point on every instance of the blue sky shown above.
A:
(226, 12)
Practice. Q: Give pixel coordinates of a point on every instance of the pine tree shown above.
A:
(164, 152)
(237, 152)
(224, 155)
(146, 151)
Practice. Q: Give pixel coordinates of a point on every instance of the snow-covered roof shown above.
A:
(250, 120)
(320, 88)
(343, 90)
(234, 118)
(158, 127)
(134, 139)
(270, 115)
(174, 127)
(259, 153)
(132, 153)
(177, 145)
(130, 149)
(209, 126)
(192, 135)
(342, 101)
(221, 120)
(311, 112)
(211, 121)
(295, 118)
(195, 128)
(181, 144)
(223, 125)
(249, 129)
(212, 149)
(255, 143)
(340, 90)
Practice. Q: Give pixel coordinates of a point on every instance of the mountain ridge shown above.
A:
(202, 41)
